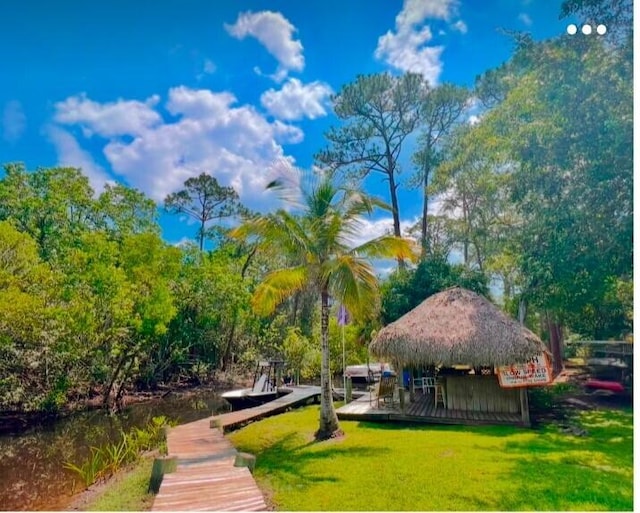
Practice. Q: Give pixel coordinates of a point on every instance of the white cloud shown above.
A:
(407, 48)
(209, 67)
(460, 26)
(234, 143)
(275, 32)
(117, 118)
(372, 228)
(14, 121)
(72, 155)
(296, 100)
(525, 19)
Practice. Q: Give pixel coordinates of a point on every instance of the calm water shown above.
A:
(31, 472)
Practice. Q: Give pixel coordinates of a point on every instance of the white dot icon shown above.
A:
(586, 29)
(601, 29)
(572, 29)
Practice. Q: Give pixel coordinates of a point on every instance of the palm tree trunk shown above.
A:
(329, 426)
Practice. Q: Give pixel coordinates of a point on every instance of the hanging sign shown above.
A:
(537, 371)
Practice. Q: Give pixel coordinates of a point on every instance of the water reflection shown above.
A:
(31, 473)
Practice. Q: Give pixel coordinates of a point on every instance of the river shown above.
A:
(32, 476)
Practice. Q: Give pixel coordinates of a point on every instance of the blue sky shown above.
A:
(151, 92)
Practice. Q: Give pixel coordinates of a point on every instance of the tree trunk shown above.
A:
(425, 204)
(555, 343)
(329, 426)
(114, 377)
(201, 235)
(396, 212)
(226, 357)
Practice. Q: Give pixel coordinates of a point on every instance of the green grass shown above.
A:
(420, 467)
(126, 491)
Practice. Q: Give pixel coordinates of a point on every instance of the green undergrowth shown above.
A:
(422, 467)
(126, 491)
(104, 461)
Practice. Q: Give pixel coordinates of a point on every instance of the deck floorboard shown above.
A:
(422, 409)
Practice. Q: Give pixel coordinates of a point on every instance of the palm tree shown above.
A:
(319, 241)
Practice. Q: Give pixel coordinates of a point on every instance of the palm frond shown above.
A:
(388, 246)
(279, 228)
(278, 286)
(352, 280)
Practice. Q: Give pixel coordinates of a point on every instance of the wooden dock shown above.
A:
(422, 409)
(298, 396)
(205, 478)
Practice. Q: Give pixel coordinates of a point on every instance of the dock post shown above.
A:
(348, 391)
(244, 459)
(161, 466)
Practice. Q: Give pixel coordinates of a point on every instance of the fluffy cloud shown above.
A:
(275, 32)
(71, 154)
(460, 26)
(14, 121)
(407, 48)
(108, 119)
(525, 19)
(297, 100)
(209, 133)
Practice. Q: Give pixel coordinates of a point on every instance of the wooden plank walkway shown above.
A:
(300, 395)
(205, 478)
(421, 410)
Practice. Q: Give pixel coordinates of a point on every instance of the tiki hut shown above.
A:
(459, 328)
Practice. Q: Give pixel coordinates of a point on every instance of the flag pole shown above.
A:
(344, 367)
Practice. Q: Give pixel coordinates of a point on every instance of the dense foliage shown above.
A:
(530, 171)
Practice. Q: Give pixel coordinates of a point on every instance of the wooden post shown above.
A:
(412, 388)
(244, 459)
(161, 466)
(401, 396)
(524, 406)
(348, 390)
(217, 424)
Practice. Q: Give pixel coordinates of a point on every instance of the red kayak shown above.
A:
(611, 386)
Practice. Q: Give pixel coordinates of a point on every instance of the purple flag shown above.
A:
(343, 316)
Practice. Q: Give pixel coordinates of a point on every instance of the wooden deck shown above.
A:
(205, 478)
(421, 410)
(300, 395)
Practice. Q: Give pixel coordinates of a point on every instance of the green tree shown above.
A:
(121, 210)
(405, 289)
(53, 205)
(204, 200)
(317, 241)
(564, 131)
(440, 110)
(380, 111)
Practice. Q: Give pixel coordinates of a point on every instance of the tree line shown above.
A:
(534, 195)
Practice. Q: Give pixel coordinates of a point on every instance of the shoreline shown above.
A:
(17, 422)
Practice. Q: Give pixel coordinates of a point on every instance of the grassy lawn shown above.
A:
(126, 491)
(419, 467)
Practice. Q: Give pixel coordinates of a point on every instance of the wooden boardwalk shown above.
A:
(205, 478)
(421, 410)
(300, 395)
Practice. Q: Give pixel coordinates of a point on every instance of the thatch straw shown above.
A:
(453, 327)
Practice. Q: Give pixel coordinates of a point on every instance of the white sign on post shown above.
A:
(537, 371)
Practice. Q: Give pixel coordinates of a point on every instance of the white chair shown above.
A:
(428, 384)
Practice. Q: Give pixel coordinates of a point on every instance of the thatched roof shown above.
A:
(456, 326)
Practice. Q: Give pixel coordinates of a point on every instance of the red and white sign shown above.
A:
(537, 371)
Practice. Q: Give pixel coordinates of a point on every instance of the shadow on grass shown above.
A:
(561, 471)
(490, 430)
(288, 458)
